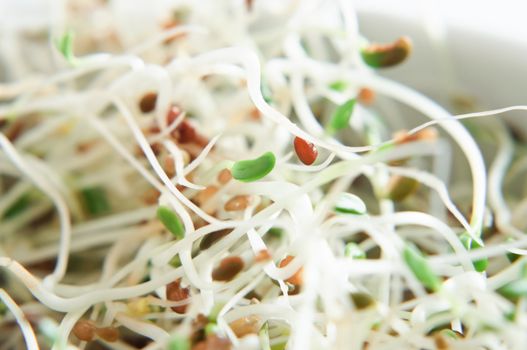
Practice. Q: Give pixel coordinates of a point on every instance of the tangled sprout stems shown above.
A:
(158, 183)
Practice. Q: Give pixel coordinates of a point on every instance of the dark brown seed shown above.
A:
(366, 96)
(148, 102)
(213, 237)
(306, 151)
(228, 268)
(297, 278)
(84, 330)
(110, 334)
(237, 203)
(177, 293)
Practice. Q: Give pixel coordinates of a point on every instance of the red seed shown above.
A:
(186, 132)
(228, 268)
(306, 151)
(177, 293)
(148, 102)
(84, 330)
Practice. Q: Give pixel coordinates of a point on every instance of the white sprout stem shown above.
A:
(43, 184)
(157, 167)
(492, 112)
(178, 160)
(25, 326)
(496, 175)
(437, 185)
(147, 329)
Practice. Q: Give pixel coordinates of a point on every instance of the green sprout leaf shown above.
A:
(178, 342)
(17, 207)
(215, 311)
(469, 244)
(348, 203)
(420, 268)
(448, 333)
(338, 85)
(171, 221)
(352, 250)
(65, 46)
(95, 200)
(263, 335)
(266, 92)
(514, 290)
(342, 115)
(276, 232)
(211, 328)
(512, 256)
(253, 169)
(3, 308)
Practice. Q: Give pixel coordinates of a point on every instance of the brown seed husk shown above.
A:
(110, 334)
(148, 102)
(237, 203)
(177, 293)
(84, 330)
(246, 325)
(228, 269)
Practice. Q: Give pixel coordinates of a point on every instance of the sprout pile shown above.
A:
(237, 175)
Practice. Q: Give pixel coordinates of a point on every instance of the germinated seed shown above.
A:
(306, 151)
(177, 293)
(110, 334)
(387, 55)
(224, 176)
(228, 268)
(84, 330)
(237, 203)
(148, 102)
